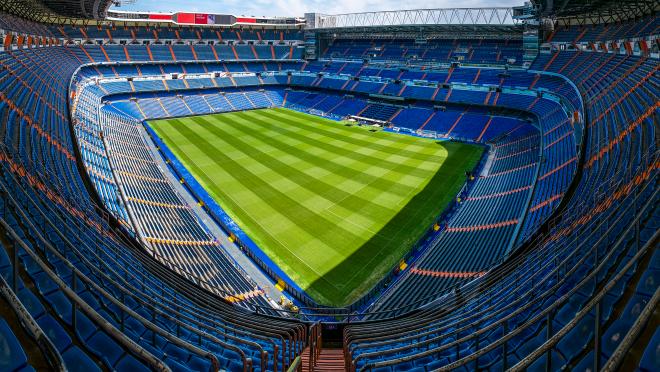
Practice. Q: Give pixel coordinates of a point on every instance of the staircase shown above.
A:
(329, 360)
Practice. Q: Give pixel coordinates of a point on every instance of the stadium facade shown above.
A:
(149, 161)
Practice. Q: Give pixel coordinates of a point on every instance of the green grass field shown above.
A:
(335, 206)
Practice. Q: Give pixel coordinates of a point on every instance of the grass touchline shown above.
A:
(334, 206)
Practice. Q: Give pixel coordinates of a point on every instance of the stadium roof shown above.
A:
(426, 32)
(493, 16)
(604, 10)
(44, 10)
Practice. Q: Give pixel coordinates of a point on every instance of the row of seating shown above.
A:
(472, 125)
(164, 221)
(566, 355)
(579, 271)
(163, 53)
(604, 32)
(17, 342)
(496, 330)
(468, 51)
(559, 151)
(111, 33)
(10, 22)
(124, 310)
(128, 296)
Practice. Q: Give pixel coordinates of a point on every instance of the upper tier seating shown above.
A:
(587, 258)
(566, 299)
(604, 32)
(11, 22)
(173, 33)
(469, 51)
(471, 125)
(511, 182)
(171, 53)
(69, 254)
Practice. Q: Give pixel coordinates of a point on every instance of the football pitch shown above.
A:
(335, 206)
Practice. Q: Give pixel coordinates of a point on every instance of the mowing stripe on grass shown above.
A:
(361, 139)
(357, 152)
(298, 177)
(334, 206)
(257, 228)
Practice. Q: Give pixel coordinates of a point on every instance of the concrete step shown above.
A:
(330, 360)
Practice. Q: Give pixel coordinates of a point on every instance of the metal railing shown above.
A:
(348, 312)
(602, 228)
(196, 324)
(45, 345)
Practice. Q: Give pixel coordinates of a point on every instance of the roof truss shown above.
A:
(450, 16)
(596, 11)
